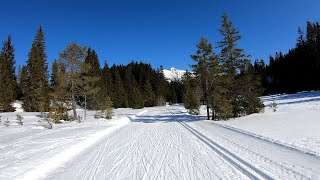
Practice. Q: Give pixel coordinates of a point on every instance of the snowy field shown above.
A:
(167, 143)
(296, 122)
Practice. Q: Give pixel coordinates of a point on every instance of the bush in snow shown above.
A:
(0, 118)
(7, 122)
(106, 109)
(274, 106)
(20, 119)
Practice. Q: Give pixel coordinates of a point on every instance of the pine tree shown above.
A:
(36, 97)
(92, 76)
(120, 97)
(106, 82)
(8, 84)
(191, 93)
(203, 59)
(149, 96)
(234, 63)
(59, 92)
(73, 58)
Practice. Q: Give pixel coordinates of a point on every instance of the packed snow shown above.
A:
(168, 143)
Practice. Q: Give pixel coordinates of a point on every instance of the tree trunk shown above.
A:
(213, 115)
(73, 102)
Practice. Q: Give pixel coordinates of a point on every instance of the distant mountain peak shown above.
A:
(173, 74)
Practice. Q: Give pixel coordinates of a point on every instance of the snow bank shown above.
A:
(63, 157)
(296, 122)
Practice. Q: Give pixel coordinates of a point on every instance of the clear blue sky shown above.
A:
(160, 32)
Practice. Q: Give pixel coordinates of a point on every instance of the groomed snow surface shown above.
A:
(167, 143)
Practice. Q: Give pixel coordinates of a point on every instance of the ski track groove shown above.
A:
(279, 166)
(241, 166)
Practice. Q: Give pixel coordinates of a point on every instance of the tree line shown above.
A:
(299, 69)
(77, 80)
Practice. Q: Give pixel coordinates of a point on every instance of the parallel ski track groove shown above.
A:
(222, 151)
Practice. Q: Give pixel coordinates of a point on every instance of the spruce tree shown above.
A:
(36, 97)
(120, 97)
(92, 76)
(8, 84)
(203, 59)
(149, 96)
(233, 61)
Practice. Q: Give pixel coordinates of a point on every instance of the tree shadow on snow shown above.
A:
(167, 118)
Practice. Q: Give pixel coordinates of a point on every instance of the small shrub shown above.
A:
(7, 122)
(274, 106)
(0, 118)
(20, 119)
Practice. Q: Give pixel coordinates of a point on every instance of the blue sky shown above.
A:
(157, 32)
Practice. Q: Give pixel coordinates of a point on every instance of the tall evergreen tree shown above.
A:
(92, 75)
(203, 58)
(8, 83)
(233, 61)
(149, 95)
(120, 97)
(36, 98)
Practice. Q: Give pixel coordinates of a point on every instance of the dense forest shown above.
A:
(297, 70)
(76, 80)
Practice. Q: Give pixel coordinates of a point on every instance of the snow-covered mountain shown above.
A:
(173, 74)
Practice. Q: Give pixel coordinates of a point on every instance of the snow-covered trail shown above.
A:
(153, 146)
(165, 143)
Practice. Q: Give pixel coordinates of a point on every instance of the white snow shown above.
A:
(296, 121)
(18, 106)
(167, 143)
(173, 74)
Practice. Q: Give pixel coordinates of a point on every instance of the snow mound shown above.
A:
(18, 106)
(173, 74)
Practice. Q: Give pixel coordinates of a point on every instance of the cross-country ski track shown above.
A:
(167, 143)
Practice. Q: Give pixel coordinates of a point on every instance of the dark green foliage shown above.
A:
(299, 69)
(36, 96)
(241, 88)
(91, 75)
(148, 94)
(192, 93)
(8, 83)
(204, 58)
(120, 96)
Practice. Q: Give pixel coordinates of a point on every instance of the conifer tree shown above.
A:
(203, 58)
(233, 62)
(8, 84)
(92, 76)
(106, 82)
(36, 97)
(149, 96)
(120, 97)
(72, 57)
(23, 82)
(191, 93)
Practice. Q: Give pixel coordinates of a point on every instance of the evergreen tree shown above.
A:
(149, 96)
(36, 97)
(203, 58)
(73, 58)
(24, 82)
(106, 82)
(191, 93)
(234, 62)
(120, 97)
(8, 84)
(92, 76)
